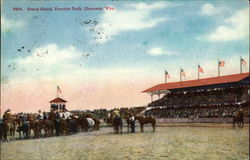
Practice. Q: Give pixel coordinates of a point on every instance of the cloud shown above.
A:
(159, 51)
(46, 61)
(209, 9)
(235, 27)
(8, 24)
(82, 87)
(134, 18)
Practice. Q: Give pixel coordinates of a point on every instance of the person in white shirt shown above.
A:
(132, 123)
(40, 115)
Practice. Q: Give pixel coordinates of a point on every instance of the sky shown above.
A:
(105, 58)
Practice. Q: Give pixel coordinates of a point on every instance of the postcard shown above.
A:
(109, 80)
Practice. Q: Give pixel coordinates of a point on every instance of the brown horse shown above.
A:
(46, 126)
(117, 124)
(83, 123)
(146, 120)
(97, 123)
(128, 123)
(9, 128)
(239, 119)
(64, 127)
(35, 127)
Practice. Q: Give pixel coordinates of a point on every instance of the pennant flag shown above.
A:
(59, 90)
(200, 69)
(221, 63)
(183, 73)
(167, 75)
(243, 62)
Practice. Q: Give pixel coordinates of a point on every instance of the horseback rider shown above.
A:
(39, 116)
(7, 115)
(45, 116)
(240, 113)
(57, 123)
(116, 113)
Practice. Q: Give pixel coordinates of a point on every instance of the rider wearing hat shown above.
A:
(7, 115)
(115, 113)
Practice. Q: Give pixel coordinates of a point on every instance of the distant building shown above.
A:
(58, 104)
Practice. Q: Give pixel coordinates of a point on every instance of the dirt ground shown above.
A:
(168, 142)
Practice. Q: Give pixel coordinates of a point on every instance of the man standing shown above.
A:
(132, 123)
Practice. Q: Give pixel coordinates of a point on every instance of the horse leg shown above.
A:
(6, 136)
(153, 126)
(13, 134)
(20, 134)
(27, 134)
(141, 127)
(120, 129)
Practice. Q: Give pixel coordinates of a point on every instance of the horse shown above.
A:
(35, 126)
(9, 128)
(72, 125)
(239, 119)
(1, 129)
(82, 121)
(46, 125)
(97, 124)
(23, 127)
(91, 124)
(64, 129)
(117, 124)
(146, 120)
(108, 120)
(57, 123)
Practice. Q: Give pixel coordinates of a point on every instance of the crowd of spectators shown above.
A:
(123, 112)
(216, 111)
(219, 102)
(215, 96)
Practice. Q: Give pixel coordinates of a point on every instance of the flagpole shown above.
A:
(240, 65)
(218, 68)
(165, 77)
(198, 72)
(180, 75)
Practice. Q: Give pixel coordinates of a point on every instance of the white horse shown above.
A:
(91, 124)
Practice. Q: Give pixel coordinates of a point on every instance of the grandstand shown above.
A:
(213, 99)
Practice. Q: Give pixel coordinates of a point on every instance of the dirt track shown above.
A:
(166, 143)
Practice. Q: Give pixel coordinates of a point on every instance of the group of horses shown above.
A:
(60, 126)
(117, 123)
(47, 127)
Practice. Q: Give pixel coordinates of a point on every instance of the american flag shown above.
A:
(243, 62)
(200, 69)
(58, 89)
(183, 73)
(221, 63)
(167, 75)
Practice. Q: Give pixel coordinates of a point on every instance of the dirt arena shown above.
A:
(168, 142)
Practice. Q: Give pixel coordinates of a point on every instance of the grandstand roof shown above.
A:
(198, 83)
(58, 100)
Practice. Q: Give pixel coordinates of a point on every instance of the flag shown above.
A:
(183, 73)
(243, 62)
(59, 90)
(200, 69)
(221, 63)
(167, 75)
